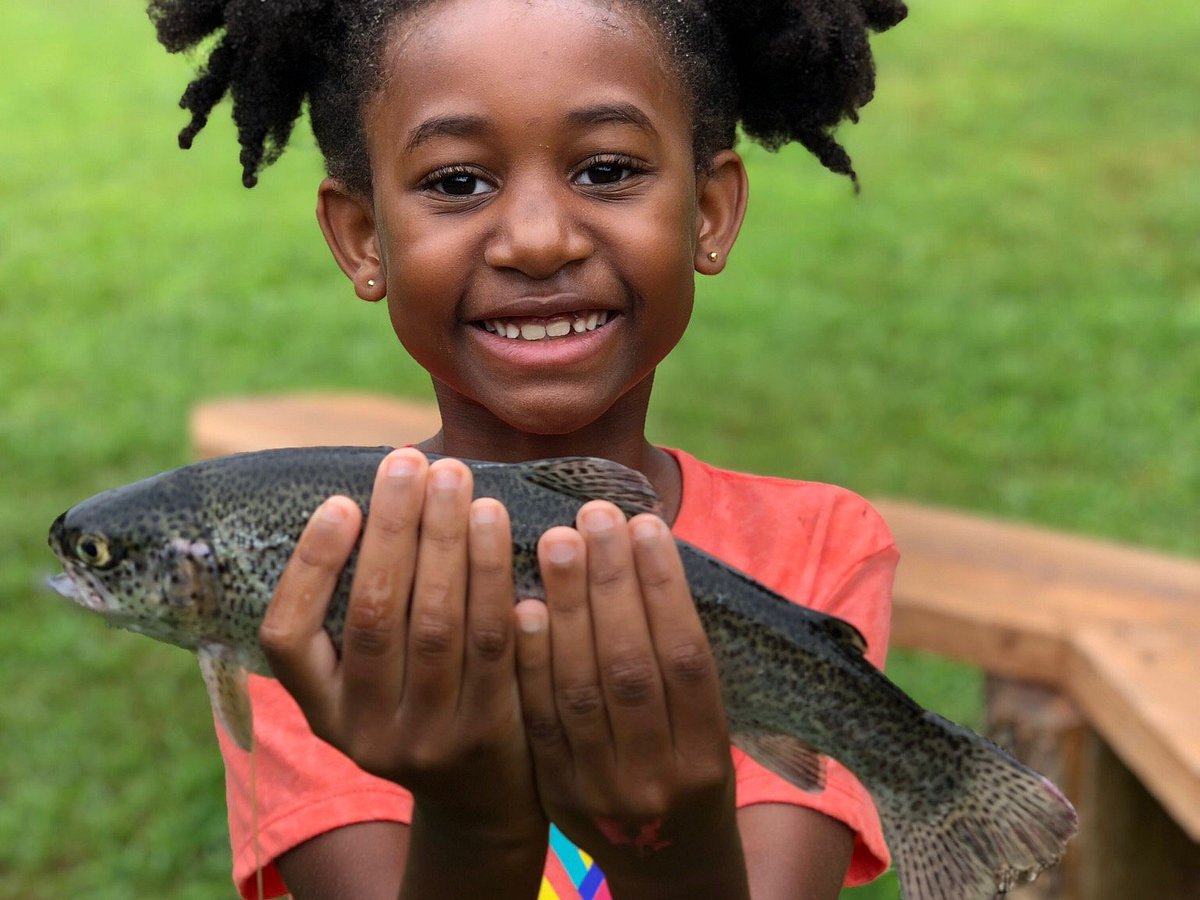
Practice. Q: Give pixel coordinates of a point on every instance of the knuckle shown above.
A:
(543, 731)
(605, 574)
(372, 642)
(445, 540)
(690, 662)
(581, 702)
(658, 578)
(490, 639)
(432, 636)
(491, 567)
(369, 629)
(391, 523)
(276, 640)
(631, 680)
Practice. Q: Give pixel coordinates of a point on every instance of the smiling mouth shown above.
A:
(532, 328)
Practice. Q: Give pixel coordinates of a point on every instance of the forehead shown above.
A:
(531, 59)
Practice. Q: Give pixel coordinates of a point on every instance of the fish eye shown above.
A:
(93, 550)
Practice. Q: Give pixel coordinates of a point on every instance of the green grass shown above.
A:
(1007, 319)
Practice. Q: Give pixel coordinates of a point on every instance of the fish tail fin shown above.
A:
(1004, 825)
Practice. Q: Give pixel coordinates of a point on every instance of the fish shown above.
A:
(191, 557)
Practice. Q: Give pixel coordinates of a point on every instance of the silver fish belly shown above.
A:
(191, 557)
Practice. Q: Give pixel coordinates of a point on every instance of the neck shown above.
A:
(471, 431)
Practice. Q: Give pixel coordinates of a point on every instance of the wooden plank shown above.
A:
(238, 424)
(1040, 554)
(1138, 685)
(1116, 627)
(1131, 847)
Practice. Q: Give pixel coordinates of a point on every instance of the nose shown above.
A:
(538, 230)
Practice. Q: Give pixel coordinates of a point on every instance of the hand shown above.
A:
(424, 692)
(623, 710)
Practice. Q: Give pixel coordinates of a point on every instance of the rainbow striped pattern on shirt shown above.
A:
(570, 873)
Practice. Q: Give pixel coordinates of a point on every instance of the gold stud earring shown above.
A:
(713, 256)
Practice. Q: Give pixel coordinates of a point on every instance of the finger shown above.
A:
(536, 682)
(292, 633)
(373, 643)
(488, 664)
(685, 660)
(578, 695)
(433, 668)
(625, 654)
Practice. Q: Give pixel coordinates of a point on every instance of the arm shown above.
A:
(423, 691)
(628, 733)
(624, 715)
(794, 853)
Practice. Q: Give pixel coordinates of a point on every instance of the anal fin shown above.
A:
(786, 756)
(225, 679)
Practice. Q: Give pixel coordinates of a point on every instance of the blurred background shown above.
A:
(1006, 320)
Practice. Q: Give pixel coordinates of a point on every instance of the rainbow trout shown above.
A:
(191, 557)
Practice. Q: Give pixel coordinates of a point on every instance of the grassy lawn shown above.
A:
(1007, 319)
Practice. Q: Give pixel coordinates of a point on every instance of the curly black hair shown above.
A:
(785, 70)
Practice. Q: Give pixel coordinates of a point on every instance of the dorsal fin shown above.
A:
(589, 478)
(845, 633)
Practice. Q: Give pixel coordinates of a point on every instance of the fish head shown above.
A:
(131, 556)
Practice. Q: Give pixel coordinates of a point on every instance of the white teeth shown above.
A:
(533, 332)
(555, 328)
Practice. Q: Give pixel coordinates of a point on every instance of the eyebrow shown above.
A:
(588, 116)
(610, 113)
(444, 126)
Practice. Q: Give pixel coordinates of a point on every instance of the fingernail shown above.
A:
(444, 477)
(646, 529)
(530, 619)
(597, 519)
(485, 514)
(560, 552)
(331, 511)
(400, 465)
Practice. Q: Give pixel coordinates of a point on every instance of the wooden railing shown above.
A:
(1092, 649)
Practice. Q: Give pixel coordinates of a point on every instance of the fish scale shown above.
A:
(191, 557)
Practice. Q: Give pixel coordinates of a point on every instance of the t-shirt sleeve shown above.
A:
(296, 787)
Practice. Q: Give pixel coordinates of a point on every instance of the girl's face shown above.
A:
(536, 215)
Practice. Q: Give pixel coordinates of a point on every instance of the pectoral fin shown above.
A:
(225, 679)
(786, 756)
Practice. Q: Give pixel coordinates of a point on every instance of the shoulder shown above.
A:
(718, 503)
(817, 544)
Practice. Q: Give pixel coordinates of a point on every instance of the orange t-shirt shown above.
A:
(815, 543)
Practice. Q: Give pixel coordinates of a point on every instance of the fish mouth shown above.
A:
(543, 328)
(69, 585)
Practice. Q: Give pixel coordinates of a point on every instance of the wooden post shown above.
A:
(1128, 846)
(1047, 732)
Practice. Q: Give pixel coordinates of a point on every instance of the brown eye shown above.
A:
(93, 550)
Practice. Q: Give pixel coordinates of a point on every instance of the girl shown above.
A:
(531, 185)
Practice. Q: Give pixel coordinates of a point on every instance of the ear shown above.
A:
(721, 194)
(348, 222)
